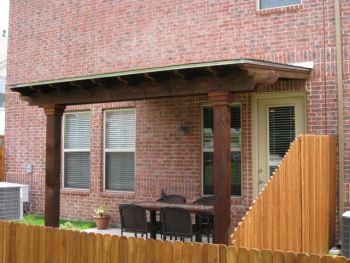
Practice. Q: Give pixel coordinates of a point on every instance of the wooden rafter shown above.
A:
(152, 79)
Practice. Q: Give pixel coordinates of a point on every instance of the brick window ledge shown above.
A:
(119, 194)
(283, 9)
(75, 192)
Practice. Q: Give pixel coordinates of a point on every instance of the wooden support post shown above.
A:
(53, 162)
(222, 165)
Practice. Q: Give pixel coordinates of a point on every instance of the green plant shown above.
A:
(68, 225)
(38, 220)
(100, 211)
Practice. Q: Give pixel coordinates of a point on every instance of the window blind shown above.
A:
(281, 133)
(76, 150)
(77, 130)
(120, 170)
(264, 4)
(120, 129)
(76, 169)
(120, 132)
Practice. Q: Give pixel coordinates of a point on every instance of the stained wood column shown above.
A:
(53, 162)
(222, 165)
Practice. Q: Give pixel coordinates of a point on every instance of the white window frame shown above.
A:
(271, 8)
(105, 150)
(72, 150)
(232, 149)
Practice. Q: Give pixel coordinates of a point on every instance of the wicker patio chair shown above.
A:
(134, 219)
(174, 199)
(207, 220)
(177, 223)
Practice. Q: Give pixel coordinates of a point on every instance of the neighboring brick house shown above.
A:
(72, 41)
(3, 64)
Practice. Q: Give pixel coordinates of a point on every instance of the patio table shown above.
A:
(154, 206)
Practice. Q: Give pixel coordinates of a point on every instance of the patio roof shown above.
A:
(180, 80)
(215, 79)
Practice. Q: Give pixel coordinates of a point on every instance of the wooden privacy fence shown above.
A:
(33, 244)
(296, 209)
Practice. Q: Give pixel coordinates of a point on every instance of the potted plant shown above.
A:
(101, 217)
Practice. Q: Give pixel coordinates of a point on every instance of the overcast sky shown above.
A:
(4, 14)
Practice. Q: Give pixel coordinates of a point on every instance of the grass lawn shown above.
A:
(66, 224)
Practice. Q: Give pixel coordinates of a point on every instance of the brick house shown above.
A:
(277, 60)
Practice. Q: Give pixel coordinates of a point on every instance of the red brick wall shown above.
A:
(63, 39)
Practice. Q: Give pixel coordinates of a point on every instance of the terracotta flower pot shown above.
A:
(102, 222)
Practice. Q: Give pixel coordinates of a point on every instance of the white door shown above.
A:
(279, 121)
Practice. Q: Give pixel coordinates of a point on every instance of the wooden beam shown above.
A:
(220, 101)
(53, 162)
(169, 88)
(261, 72)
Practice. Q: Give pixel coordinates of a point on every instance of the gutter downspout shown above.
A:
(340, 89)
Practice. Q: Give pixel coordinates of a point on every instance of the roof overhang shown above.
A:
(180, 80)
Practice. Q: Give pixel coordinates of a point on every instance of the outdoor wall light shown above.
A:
(185, 130)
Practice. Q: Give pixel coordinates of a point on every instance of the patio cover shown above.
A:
(219, 80)
(180, 80)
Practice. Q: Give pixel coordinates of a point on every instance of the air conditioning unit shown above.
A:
(12, 196)
(345, 247)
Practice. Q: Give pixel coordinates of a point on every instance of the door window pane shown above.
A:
(281, 133)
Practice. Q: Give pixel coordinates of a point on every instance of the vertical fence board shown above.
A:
(106, 254)
(115, 249)
(42, 245)
(177, 252)
(266, 256)
(231, 255)
(213, 253)
(255, 256)
(140, 250)
(84, 248)
(150, 251)
(123, 250)
(73, 247)
(131, 250)
(197, 253)
(187, 253)
(289, 257)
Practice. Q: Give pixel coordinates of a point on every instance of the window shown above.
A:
(265, 4)
(281, 133)
(208, 149)
(120, 149)
(2, 84)
(76, 150)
